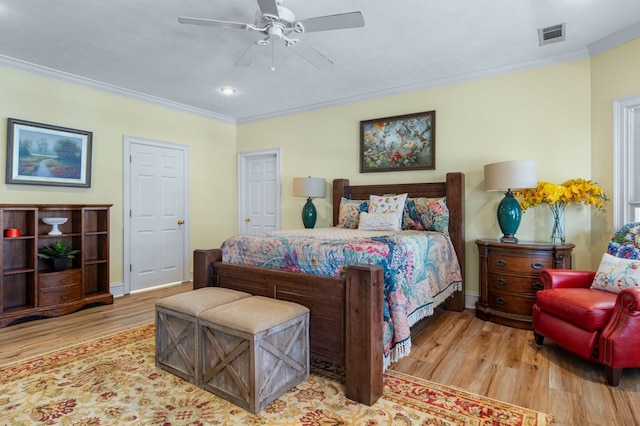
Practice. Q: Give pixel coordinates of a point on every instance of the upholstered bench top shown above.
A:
(196, 301)
(253, 314)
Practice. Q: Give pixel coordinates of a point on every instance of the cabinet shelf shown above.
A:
(14, 271)
(28, 286)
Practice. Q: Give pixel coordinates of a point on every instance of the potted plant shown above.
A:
(59, 254)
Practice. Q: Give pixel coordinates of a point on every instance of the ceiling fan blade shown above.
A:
(332, 22)
(269, 7)
(247, 57)
(212, 23)
(312, 55)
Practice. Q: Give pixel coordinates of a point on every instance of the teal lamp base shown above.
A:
(509, 216)
(309, 214)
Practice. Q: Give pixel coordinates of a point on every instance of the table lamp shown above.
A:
(504, 177)
(311, 188)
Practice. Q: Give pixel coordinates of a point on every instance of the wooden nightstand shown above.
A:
(510, 277)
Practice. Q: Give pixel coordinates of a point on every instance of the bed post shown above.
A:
(455, 202)
(202, 267)
(363, 334)
(338, 192)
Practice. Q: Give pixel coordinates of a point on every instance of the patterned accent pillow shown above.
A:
(379, 221)
(349, 212)
(615, 274)
(389, 203)
(626, 242)
(426, 214)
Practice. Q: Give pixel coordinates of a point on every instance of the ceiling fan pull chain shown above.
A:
(273, 50)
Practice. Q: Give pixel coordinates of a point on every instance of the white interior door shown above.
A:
(158, 209)
(259, 191)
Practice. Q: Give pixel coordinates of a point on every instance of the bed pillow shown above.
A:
(349, 212)
(379, 221)
(426, 214)
(615, 274)
(391, 203)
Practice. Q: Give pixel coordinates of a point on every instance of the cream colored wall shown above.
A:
(614, 76)
(541, 115)
(212, 153)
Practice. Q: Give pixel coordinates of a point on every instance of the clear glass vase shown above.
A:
(557, 223)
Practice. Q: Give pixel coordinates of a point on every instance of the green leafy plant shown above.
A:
(57, 251)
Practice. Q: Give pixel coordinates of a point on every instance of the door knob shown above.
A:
(247, 219)
(180, 222)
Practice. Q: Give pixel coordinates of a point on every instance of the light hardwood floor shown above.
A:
(451, 348)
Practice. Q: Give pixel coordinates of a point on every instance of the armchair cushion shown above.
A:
(615, 274)
(586, 308)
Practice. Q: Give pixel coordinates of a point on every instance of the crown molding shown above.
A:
(19, 65)
(427, 84)
(614, 40)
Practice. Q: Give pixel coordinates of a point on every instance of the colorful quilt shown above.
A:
(420, 268)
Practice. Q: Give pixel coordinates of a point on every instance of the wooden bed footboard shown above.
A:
(345, 323)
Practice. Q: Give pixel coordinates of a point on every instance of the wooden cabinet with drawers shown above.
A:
(29, 288)
(510, 277)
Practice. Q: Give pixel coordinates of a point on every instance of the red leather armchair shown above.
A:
(595, 325)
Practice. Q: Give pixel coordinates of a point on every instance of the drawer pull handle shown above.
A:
(537, 286)
(501, 281)
(537, 266)
(501, 262)
(500, 301)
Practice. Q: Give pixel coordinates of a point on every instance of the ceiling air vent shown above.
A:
(551, 34)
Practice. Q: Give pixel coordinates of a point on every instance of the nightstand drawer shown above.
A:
(521, 305)
(519, 263)
(514, 283)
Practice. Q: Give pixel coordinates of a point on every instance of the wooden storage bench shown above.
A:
(254, 350)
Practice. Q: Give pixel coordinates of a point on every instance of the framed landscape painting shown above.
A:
(41, 154)
(404, 142)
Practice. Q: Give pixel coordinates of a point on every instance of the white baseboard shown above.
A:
(117, 289)
(470, 300)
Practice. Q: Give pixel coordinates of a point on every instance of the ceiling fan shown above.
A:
(277, 23)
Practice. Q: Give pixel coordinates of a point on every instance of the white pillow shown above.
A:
(380, 221)
(615, 274)
(392, 203)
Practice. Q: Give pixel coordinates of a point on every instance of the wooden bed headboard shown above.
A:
(452, 188)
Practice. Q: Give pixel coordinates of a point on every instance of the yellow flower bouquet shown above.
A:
(558, 196)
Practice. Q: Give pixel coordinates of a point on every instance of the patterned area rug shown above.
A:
(113, 380)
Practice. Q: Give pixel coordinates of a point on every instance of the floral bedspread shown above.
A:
(420, 268)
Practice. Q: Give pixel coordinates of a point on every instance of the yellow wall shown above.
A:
(212, 152)
(541, 115)
(614, 76)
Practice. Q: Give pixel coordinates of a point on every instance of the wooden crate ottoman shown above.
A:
(254, 350)
(177, 328)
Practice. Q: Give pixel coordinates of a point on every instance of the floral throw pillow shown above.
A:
(392, 203)
(349, 213)
(615, 274)
(426, 214)
(626, 242)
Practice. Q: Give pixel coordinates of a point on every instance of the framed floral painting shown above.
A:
(404, 142)
(41, 154)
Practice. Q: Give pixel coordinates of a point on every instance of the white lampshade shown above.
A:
(512, 175)
(308, 187)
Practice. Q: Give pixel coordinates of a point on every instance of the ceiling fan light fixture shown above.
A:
(228, 91)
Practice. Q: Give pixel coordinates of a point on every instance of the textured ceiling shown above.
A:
(138, 48)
